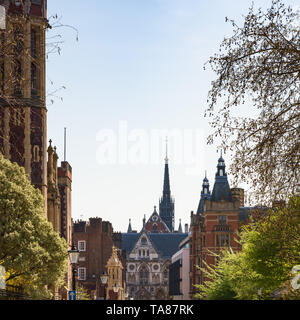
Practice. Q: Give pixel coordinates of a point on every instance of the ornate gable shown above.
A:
(155, 224)
(143, 248)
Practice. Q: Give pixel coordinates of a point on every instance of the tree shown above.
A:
(260, 65)
(270, 251)
(33, 254)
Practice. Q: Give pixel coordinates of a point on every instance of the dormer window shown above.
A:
(144, 241)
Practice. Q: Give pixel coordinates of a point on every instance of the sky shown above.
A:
(134, 77)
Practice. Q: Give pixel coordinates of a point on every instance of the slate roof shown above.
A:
(166, 243)
(221, 189)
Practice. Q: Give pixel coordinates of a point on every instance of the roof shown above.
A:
(221, 189)
(166, 243)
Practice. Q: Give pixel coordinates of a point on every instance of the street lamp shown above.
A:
(104, 279)
(73, 255)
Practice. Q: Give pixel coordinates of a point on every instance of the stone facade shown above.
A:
(23, 114)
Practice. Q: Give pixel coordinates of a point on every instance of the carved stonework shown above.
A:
(27, 6)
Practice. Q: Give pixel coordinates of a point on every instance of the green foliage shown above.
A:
(33, 254)
(270, 249)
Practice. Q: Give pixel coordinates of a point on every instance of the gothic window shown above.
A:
(33, 79)
(33, 43)
(36, 152)
(144, 275)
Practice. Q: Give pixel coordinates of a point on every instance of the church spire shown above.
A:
(166, 205)
(166, 159)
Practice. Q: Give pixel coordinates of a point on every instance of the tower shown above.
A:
(23, 113)
(221, 190)
(205, 194)
(166, 203)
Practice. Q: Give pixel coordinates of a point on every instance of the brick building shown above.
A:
(219, 216)
(94, 240)
(23, 112)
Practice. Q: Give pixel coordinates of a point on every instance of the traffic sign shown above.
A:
(72, 295)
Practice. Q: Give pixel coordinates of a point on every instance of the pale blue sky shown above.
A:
(138, 61)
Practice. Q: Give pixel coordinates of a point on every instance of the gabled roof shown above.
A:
(165, 243)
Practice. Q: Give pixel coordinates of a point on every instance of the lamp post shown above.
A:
(73, 255)
(104, 279)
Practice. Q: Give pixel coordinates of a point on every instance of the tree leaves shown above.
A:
(33, 254)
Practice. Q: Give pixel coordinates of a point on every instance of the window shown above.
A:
(33, 79)
(81, 273)
(222, 219)
(144, 276)
(144, 241)
(82, 245)
(221, 173)
(33, 43)
(36, 154)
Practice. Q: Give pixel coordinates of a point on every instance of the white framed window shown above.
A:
(82, 245)
(81, 273)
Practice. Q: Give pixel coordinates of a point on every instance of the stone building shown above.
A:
(219, 216)
(94, 240)
(23, 112)
(149, 252)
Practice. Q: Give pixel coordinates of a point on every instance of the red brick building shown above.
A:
(94, 240)
(215, 224)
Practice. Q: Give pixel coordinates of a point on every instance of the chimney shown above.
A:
(186, 228)
(238, 194)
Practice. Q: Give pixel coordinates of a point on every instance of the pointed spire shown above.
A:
(205, 194)
(166, 204)
(166, 159)
(180, 227)
(129, 227)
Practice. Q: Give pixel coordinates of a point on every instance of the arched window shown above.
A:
(144, 241)
(33, 43)
(18, 77)
(221, 172)
(33, 79)
(144, 275)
